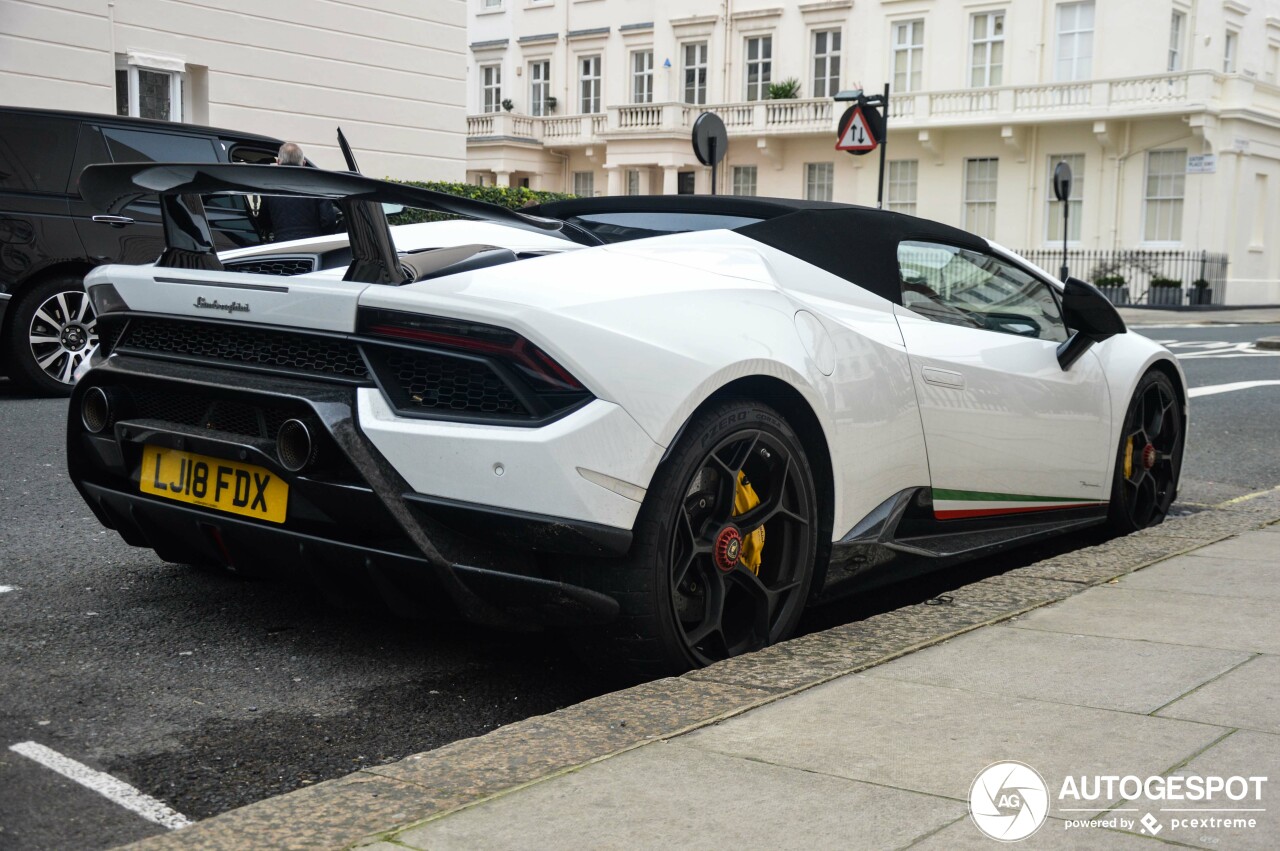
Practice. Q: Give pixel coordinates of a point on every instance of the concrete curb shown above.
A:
(379, 802)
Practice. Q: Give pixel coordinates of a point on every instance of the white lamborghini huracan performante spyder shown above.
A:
(674, 421)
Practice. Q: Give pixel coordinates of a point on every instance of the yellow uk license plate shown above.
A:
(214, 483)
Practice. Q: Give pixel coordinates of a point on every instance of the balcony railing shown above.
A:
(1098, 99)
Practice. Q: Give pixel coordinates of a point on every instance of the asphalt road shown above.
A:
(209, 692)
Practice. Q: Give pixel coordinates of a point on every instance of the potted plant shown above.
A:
(1113, 287)
(1200, 292)
(551, 104)
(1164, 290)
(785, 90)
(508, 104)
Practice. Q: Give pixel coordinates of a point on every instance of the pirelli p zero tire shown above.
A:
(724, 548)
(52, 329)
(1149, 458)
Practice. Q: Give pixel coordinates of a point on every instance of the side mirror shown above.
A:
(1091, 317)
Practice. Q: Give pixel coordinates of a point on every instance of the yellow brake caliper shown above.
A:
(745, 499)
(1128, 458)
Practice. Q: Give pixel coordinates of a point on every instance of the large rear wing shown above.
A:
(189, 243)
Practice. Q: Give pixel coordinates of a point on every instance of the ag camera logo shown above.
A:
(1008, 801)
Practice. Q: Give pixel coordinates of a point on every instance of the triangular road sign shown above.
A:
(856, 134)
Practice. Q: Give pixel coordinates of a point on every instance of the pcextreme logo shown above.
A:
(1010, 801)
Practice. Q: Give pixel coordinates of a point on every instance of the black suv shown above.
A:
(50, 238)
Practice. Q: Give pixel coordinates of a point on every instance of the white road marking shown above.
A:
(1213, 389)
(116, 791)
(5, 589)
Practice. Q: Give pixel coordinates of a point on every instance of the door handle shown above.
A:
(114, 221)
(943, 377)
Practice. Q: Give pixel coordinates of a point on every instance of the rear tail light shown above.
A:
(538, 375)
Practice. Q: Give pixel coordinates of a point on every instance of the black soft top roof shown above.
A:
(859, 244)
(725, 205)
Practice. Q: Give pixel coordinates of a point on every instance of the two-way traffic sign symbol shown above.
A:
(855, 133)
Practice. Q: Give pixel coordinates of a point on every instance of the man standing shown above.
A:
(286, 217)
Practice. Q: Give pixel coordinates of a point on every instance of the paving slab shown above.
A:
(1168, 617)
(1052, 836)
(1250, 546)
(1210, 575)
(935, 740)
(852, 647)
(1242, 754)
(1246, 697)
(679, 797)
(1083, 670)
(1099, 563)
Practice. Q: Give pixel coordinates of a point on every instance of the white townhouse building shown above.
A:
(987, 96)
(391, 73)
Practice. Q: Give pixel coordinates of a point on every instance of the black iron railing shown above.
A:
(1136, 276)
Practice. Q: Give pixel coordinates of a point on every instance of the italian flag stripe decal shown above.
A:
(958, 504)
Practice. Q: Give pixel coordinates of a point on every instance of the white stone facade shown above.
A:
(391, 73)
(986, 97)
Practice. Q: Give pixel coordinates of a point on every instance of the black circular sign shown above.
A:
(710, 141)
(1062, 181)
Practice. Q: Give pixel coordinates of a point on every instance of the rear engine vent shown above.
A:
(283, 351)
(273, 265)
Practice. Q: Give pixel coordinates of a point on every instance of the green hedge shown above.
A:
(514, 197)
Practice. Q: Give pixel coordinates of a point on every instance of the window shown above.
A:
(818, 181)
(908, 55)
(975, 290)
(980, 195)
(986, 49)
(539, 87)
(492, 4)
(1229, 46)
(642, 76)
(584, 184)
(1053, 215)
(903, 177)
(589, 84)
(826, 63)
(759, 66)
(1075, 42)
(744, 180)
(491, 88)
(695, 72)
(685, 183)
(148, 92)
(134, 146)
(35, 156)
(1176, 26)
(1166, 179)
(633, 182)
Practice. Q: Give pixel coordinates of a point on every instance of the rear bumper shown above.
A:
(352, 516)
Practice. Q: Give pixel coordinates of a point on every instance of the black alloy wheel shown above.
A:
(1150, 456)
(724, 549)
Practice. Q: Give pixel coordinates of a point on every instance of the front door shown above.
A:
(1007, 430)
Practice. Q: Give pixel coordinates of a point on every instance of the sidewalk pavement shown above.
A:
(1150, 655)
(1139, 316)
